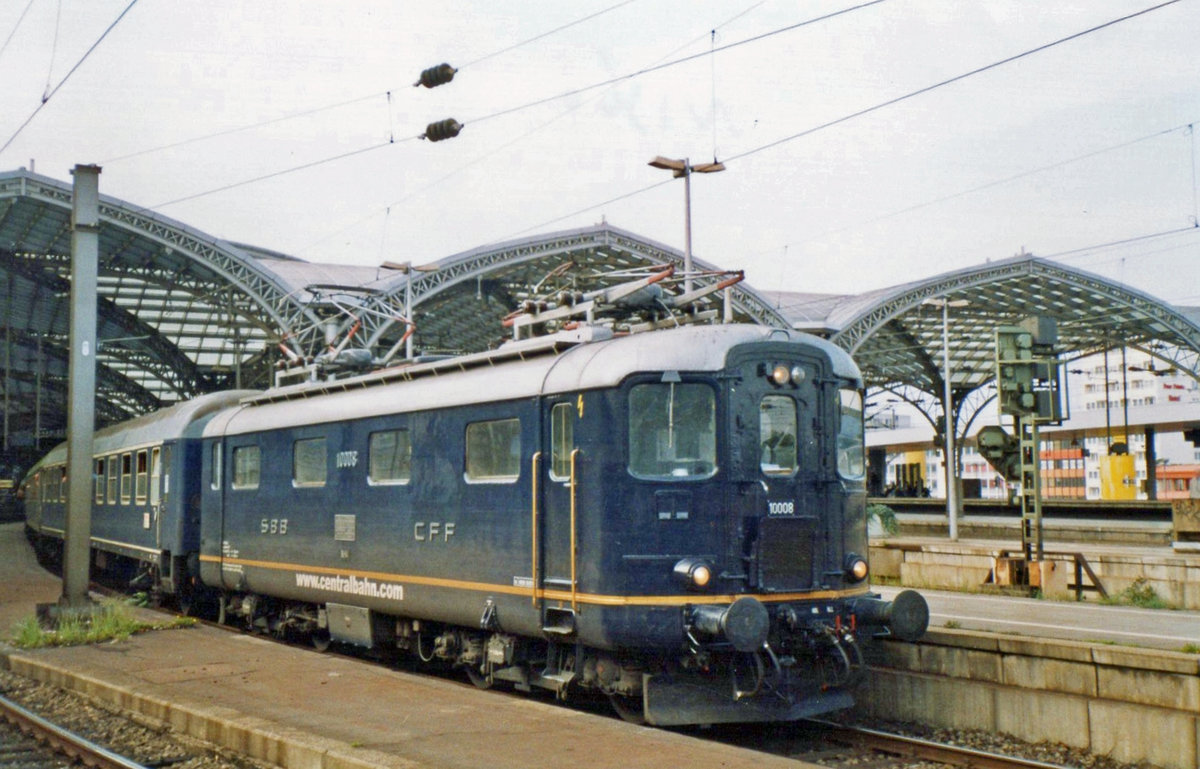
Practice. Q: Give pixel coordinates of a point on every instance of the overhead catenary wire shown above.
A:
(876, 107)
(285, 171)
(986, 186)
(53, 50)
(548, 33)
(336, 105)
(676, 62)
(492, 152)
(951, 80)
(46, 98)
(16, 26)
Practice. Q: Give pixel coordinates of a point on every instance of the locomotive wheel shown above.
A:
(321, 640)
(479, 679)
(630, 709)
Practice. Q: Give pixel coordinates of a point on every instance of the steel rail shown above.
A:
(79, 749)
(915, 747)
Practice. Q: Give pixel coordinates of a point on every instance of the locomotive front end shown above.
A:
(778, 587)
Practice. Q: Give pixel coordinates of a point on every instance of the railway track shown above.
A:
(44, 742)
(912, 748)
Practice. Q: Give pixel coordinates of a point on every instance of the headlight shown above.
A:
(693, 573)
(856, 568)
(781, 375)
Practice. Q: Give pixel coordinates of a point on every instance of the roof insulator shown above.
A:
(435, 76)
(442, 129)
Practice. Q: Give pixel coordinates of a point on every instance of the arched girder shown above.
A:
(162, 239)
(1089, 311)
(120, 396)
(158, 356)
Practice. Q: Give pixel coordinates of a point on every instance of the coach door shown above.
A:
(558, 478)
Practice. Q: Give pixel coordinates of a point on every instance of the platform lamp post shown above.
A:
(685, 169)
(948, 410)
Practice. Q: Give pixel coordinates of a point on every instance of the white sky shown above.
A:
(817, 213)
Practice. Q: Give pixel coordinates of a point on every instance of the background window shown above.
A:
(308, 462)
(494, 450)
(390, 456)
(246, 464)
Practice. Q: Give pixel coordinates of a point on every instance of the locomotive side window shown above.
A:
(99, 478)
(562, 440)
(777, 435)
(494, 450)
(112, 480)
(309, 465)
(390, 457)
(143, 476)
(246, 464)
(126, 478)
(850, 460)
(672, 431)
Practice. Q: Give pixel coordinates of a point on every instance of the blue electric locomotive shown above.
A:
(673, 518)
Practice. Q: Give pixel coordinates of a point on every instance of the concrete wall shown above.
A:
(957, 566)
(1130, 704)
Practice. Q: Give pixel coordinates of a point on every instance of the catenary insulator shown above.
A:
(435, 76)
(442, 129)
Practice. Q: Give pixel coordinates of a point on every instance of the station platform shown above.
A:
(294, 707)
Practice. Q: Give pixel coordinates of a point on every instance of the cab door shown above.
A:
(559, 475)
(776, 490)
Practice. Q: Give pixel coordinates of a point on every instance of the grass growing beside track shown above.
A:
(107, 622)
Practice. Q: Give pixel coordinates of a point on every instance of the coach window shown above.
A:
(62, 484)
(672, 431)
(390, 457)
(126, 478)
(246, 467)
(494, 451)
(155, 474)
(99, 479)
(777, 435)
(142, 477)
(112, 480)
(309, 465)
(562, 440)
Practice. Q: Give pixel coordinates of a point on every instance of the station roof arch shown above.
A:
(896, 334)
(184, 313)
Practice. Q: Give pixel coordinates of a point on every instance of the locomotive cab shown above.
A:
(756, 481)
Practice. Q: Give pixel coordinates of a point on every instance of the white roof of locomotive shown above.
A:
(541, 366)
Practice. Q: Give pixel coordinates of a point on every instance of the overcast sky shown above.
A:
(1079, 145)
